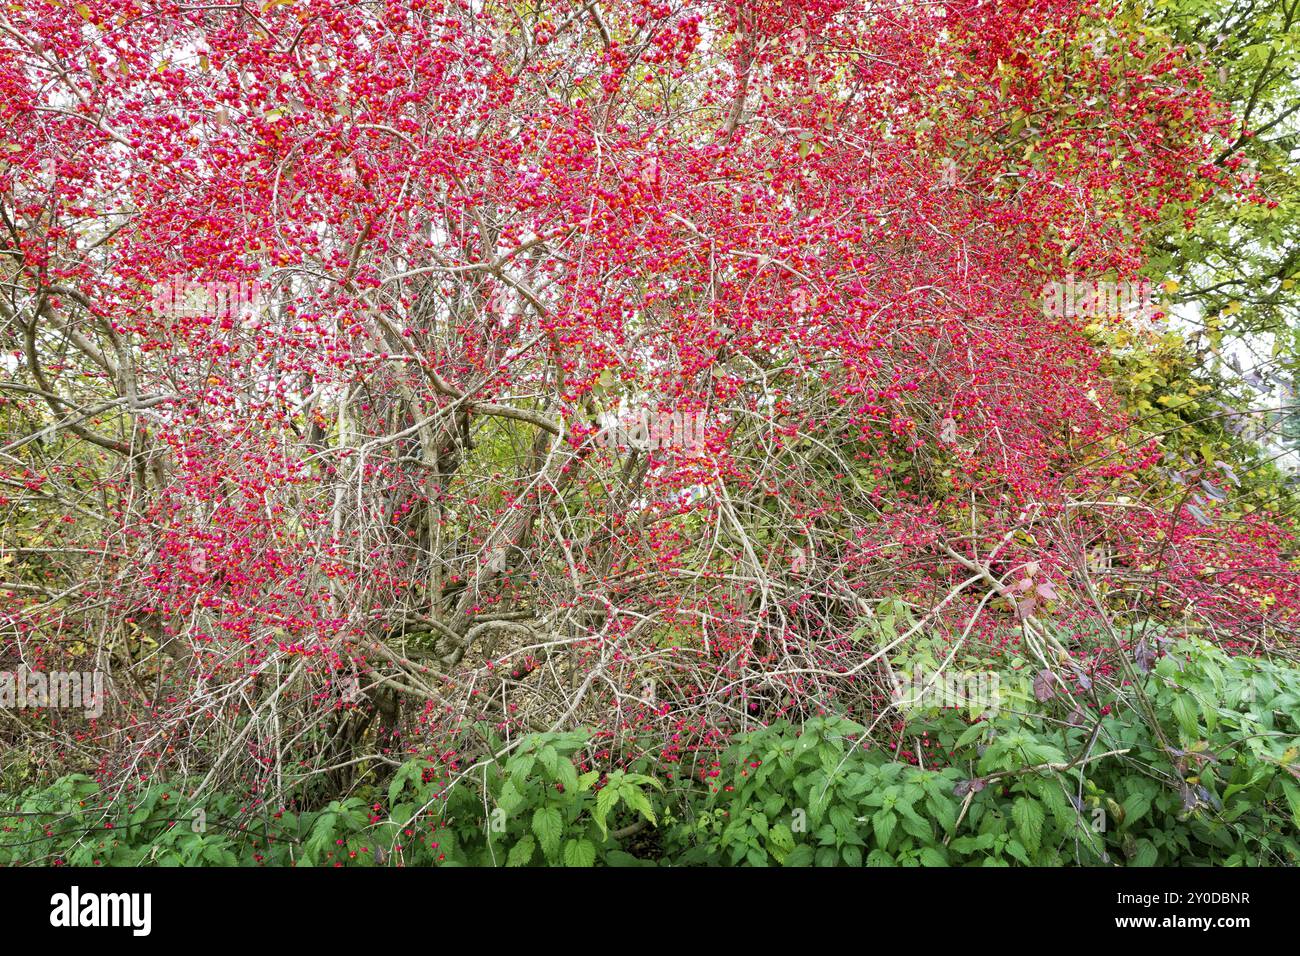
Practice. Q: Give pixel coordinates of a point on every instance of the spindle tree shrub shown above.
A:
(382, 380)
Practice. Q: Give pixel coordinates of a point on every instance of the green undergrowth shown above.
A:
(1201, 768)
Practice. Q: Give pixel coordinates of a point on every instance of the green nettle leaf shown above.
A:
(1185, 712)
(521, 765)
(549, 827)
(510, 798)
(859, 783)
(1135, 807)
(1055, 801)
(579, 853)
(605, 801)
(1146, 854)
(932, 857)
(411, 771)
(801, 855)
(821, 797)
(971, 734)
(568, 775)
(1259, 774)
(842, 820)
(1017, 850)
(522, 852)
(806, 742)
(943, 811)
(1293, 800)
(1028, 816)
(639, 802)
(550, 759)
(781, 837)
(883, 823)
